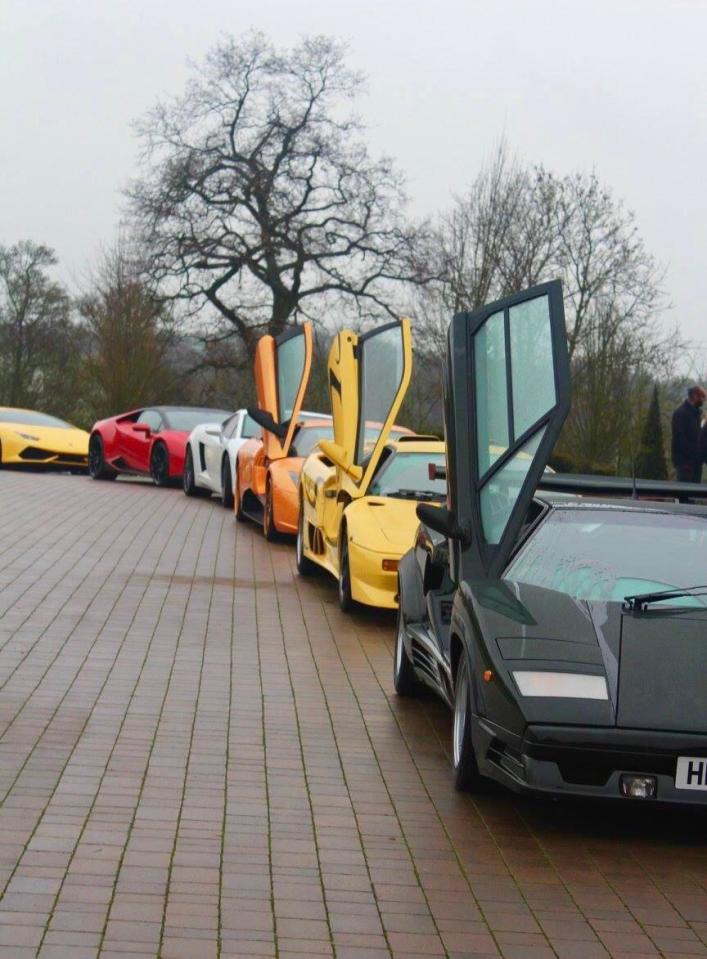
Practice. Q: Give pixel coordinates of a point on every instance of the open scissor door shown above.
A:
(281, 371)
(368, 378)
(508, 394)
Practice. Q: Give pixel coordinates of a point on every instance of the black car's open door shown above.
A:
(507, 396)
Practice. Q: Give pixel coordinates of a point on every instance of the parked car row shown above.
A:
(561, 618)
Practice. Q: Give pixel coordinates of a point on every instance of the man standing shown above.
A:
(686, 437)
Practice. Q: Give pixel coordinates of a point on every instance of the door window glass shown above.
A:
(531, 362)
(152, 418)
(500, 492)
(381, 373)
(229, 426)
(491, 391)
(250, 428)
(290, 367)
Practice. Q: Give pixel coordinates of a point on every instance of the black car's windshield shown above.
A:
(187, 419)
(30, 418)
(407, 474)
(307, 437)
(608, 554)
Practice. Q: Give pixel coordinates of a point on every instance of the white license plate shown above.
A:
(691, 773)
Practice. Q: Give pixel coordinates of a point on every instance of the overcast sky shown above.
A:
(619, 86)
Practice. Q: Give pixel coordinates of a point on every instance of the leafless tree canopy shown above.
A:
(518, 226)
(261, 198)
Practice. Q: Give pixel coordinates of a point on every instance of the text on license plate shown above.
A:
(691, 772)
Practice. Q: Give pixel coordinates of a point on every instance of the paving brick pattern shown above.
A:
(200, 756)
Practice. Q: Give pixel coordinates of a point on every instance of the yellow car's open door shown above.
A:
(368, 378)
(281, 371)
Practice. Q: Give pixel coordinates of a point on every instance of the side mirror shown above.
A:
(213, 430)
(265, 420)
(337, 454)
(141, 428)
(442, 521)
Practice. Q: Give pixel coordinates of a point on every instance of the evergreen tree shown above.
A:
(650, 461)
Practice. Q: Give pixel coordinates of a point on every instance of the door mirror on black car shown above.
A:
(442, 521)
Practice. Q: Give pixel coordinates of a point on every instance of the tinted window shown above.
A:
(409, 472)
(290, 367)
(306, 439)
(152, 418)
(500, 492)
(381, 371)
(30, 418)
(611, 553)
(187, 419)
(250, 428)
(491, 389)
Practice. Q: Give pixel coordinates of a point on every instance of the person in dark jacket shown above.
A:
(686, 437)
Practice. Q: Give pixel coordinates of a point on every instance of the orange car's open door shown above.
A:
(368, 378)
(281, 370)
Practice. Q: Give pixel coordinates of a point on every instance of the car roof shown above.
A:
(573, 501)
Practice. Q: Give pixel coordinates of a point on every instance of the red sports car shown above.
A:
(147, 442)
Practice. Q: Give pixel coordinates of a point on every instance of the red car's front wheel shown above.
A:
(159, 465)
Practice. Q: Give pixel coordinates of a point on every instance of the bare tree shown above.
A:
(261, 198)
(36, 334)
(130, 336)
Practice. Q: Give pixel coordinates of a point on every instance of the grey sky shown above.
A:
(618, 86)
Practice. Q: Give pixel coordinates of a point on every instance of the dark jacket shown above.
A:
(686, 435)
(703, 444)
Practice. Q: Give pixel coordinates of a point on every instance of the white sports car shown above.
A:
(210, 458)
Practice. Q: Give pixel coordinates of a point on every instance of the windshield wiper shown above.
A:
(419, 494)
(641, 601)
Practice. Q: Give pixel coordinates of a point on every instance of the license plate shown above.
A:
(691, 773)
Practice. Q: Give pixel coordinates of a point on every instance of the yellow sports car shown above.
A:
(29, 438)
(358, 493)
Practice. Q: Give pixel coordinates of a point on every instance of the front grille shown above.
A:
(594, 767)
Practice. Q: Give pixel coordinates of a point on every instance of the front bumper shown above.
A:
(370, 583)
(585, 761)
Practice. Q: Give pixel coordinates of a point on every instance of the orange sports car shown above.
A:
(267, 471)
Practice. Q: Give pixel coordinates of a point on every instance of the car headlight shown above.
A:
(28, 436)
(560, 685)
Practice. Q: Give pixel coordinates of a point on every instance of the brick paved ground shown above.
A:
(201, 757)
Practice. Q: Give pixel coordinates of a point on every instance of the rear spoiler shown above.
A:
(621, 486)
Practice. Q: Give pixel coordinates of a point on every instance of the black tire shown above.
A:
(305, 566)
(466, 770)
(346, 601)
(226, 484)
(269, 531)
(159, 465)
(404, 678)
(189, 478)
(237, 505)
(97, 467)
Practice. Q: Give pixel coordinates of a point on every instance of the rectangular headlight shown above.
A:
(560, 685)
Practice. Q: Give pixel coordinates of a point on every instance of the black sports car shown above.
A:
(567, 632)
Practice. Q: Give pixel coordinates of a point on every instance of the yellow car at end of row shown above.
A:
(31, 438)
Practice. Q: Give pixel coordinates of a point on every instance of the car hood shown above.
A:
(384, 524)
(53, 438)
(654, 662)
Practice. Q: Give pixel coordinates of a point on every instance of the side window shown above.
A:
(514, 392)
(381, 373)
(152, 418)
(290, 366)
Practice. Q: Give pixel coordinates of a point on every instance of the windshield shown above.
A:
(30, 418)
(187, 419)
(408, 474)
(306, 438)
(607, 554)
